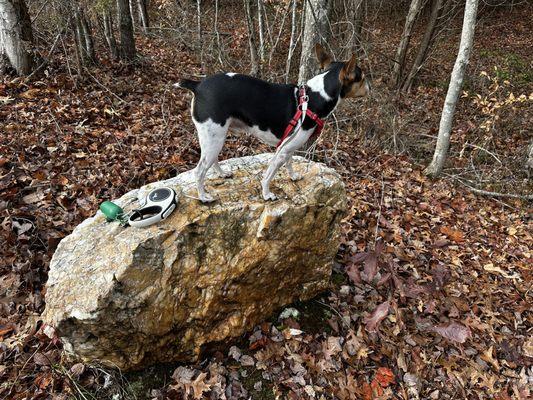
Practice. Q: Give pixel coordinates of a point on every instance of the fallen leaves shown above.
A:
(441, 254)
(454, 332)
(453, 234)
(374, 319)
(384, 377)
(497, 270)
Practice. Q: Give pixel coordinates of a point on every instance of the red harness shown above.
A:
(302, 104)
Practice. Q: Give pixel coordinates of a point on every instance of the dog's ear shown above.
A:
(323, 57)
(348, 70)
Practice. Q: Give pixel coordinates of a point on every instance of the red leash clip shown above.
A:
(302, 109)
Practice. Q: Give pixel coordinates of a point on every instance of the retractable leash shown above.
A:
(158, 205)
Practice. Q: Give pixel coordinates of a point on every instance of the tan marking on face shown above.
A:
(357, 89)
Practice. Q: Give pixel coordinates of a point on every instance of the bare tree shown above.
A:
(424, 45)
(456, 82)
(109, 34)
(143, 14)
(127, 40)
(316, 30)
(261, 30)
(397, 70)
(199, 30)
(84, 38)
(359, 9)
(292, 43)
(255, 70)
(16, 36)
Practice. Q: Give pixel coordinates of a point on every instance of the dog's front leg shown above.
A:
(273, 166)
(284, 153)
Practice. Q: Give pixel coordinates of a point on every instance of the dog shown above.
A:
(263, 109)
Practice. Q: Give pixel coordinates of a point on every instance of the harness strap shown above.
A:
(301, 112)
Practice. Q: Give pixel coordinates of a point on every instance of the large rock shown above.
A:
(129, 297)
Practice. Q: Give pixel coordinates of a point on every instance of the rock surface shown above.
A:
(129, 297)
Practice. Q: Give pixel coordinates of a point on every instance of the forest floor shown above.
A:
(431, 294)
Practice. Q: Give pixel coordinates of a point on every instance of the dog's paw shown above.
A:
(269, 196)
(296, 177)
(226, 175)
(207, 198)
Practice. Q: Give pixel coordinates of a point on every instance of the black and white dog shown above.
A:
(264, 110)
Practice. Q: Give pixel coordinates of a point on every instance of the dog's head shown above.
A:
(351, 77)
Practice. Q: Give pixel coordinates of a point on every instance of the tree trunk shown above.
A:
(143, 15)
(316, 30)
(199, 31)
(16, 36)
(132, 13)
(219, 45)
(251, 40)
(456, 81)
(424, 45)
(260, 29)
(83, 58)
(397, 70)
(127, 41)
(358, 25)
(109, 34)
(87, 38)
(292, 43)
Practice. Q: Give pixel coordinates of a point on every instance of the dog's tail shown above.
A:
(187, 84)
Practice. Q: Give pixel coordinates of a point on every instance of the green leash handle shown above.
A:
(112, 211)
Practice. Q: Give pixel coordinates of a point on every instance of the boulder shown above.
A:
(129, 297)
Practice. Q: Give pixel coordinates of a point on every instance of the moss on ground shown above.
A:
(140, 383)
(265, 393)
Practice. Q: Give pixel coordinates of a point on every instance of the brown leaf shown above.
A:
(453, 234)
(33, 197)
(454, 332)
(371, 267)
(41, 359)
(441, 243)
(441, 275)
(384, 376)
(44, 380)
(373, 320)
(6, 329)
(77, 370)
(199, 386)
(331, 347)
(354, 274)
(30, 94)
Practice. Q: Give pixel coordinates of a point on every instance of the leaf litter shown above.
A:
(438, 308)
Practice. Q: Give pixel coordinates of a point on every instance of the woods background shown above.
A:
(87, 112)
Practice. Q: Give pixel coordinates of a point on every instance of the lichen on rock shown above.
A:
(129, 297)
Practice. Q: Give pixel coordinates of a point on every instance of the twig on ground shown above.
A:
(479, 148)
(495, 194)
(105, 87)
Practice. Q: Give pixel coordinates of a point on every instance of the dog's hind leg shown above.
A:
(293, 174)
(212, 137)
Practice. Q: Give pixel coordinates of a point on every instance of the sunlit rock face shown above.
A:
(130, 297)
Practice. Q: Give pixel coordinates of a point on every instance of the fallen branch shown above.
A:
(496, 194)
